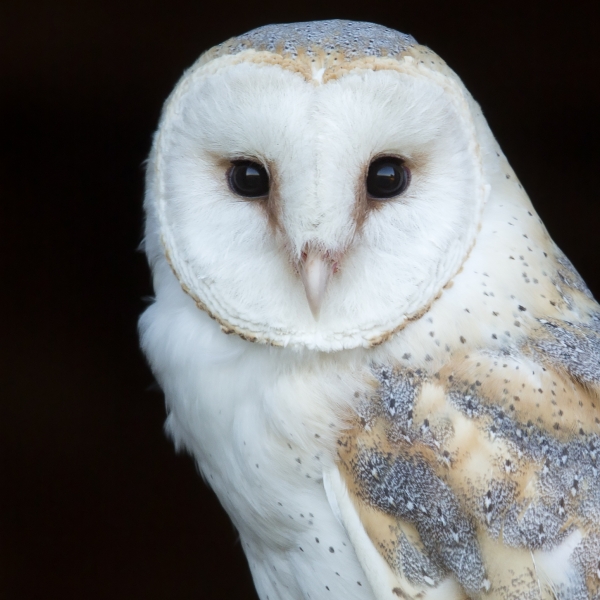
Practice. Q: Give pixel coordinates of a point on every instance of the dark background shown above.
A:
(94, 502)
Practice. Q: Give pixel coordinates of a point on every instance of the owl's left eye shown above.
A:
(248, 179)
(388, 176)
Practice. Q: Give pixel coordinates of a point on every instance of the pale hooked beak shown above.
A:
(316, 268)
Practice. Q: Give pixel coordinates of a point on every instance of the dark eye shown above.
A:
(387, 177)
(248, 179)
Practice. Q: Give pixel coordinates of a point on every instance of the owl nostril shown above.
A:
(326, 256)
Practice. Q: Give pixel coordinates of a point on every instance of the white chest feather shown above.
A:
(262, 433)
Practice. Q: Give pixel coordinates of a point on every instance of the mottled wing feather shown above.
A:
(485, 471)
(367, 527)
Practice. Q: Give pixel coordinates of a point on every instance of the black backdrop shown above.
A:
(94, 503)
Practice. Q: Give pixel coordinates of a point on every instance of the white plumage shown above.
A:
(392, 390)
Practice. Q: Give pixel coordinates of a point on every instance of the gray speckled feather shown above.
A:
(352, 39)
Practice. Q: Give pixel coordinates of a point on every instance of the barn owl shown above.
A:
(384, 367)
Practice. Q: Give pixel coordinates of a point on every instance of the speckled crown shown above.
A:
(348, 39)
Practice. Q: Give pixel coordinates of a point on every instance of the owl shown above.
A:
(384, 367)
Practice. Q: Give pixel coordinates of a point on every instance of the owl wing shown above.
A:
(479, 480)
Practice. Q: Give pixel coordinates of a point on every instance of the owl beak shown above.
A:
(316, 270)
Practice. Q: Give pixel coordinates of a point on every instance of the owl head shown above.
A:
(316, 184)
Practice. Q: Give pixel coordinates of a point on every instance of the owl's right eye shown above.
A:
(248, 179)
